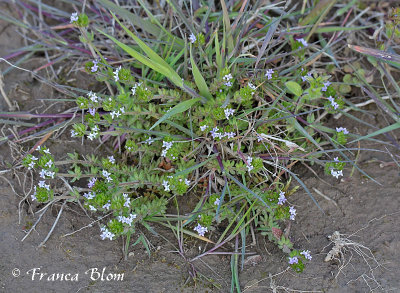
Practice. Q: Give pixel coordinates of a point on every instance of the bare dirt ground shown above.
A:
(370, 261)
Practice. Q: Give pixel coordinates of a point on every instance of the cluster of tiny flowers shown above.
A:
(106, 175)
(127, 220)
(282, 198)
(92, 181)
(215, 133)
(292, 212)
(228, 112)
(106, 234)
(249, 164)
(116, 74)
(269, 74)
(89, 195)
(342, 129)
(216, 202)
(133, 90)
(166, 185)
(93, 97)
(47, 173)
(227, 78)
(326, 84)
(93, 134)
(293, 260)
(74, 17)
(43, 184)
(32, 163)
(333, 103)
(192, 38)
(117, 113)
(92, 208)
(166, 145)
(303, 42)
(336, 173)
(305, 78)
(95, 67)
(200, 229)
(306, 254)
(127, 200)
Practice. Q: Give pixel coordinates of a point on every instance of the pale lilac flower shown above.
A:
(249, 165)
(293, 260)
(31, 165)
(215, 133)
(149, 141)
(192, 38)
(304, 78)
(187, 182)
(203, 127)
(74, 17)
(34, 158)
(33, 196)
(127, 220)
(166, 145)
(92, 181)
(50, 174)
(46, 151)
(106, 234)
(336, 159)
(166, 185)
(259, 138)
(127, 200)
(116, 74)
(200, 230)
(73, 133)
(89, 195)
(93, 97)
(282, 198)
(107, 205)
(306, 254)
(92, 208)
(326, 84)
(303, 42)
(133, 90)
(342, 129)
(94, 68)
(92, 135)
(337, 173)
(228, 112)
(269, 73)
(292, 212)
(227, 78)
(217, 201)
(333, 103)
(42, 183)
(92, 111)
(49, 164)
(230, 134)
(42, 174)
(252, 86)
(111, 159)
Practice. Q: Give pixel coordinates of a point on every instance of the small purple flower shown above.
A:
(282, 198)
(306, 254)
(292, 212)
(293, 260)
(326, 84)
(92, 181)
(303, 42)
(192, 38)
(269, 73)
(92, 111)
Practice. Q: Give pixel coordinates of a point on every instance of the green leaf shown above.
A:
(294, 88)
(162, 68)
(181, 107)
(199, 80)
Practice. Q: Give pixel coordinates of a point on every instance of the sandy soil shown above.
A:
(351, 205)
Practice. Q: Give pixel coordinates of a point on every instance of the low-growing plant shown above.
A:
(191, 118)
